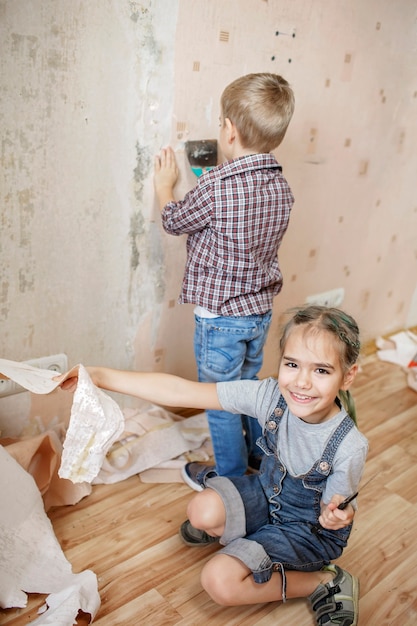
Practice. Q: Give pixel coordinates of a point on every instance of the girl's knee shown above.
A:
(213, 582)
(195, 509)
(223, 578)
(206, 510)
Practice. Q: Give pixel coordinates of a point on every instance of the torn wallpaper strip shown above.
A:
(96, 422)
(31, 559)
(33, 379)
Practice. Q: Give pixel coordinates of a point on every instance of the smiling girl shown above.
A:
(280, 529)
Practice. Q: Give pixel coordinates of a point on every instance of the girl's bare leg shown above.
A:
(226, 579)
(206, 512)
(230, 583)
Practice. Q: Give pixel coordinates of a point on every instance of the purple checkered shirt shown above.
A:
(235, 219)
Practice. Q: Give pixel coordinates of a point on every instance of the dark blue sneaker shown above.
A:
(195, 474)
(194, 537)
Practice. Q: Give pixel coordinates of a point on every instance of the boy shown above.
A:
(235, 219)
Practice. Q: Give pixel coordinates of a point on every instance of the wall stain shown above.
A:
(137, 222)
(27, 213)
(143, 164)
(137, 11)
(4, 299)
(25, 46)
(26, 282)
(136, 230)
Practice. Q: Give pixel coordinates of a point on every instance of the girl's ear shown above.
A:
(349, 377)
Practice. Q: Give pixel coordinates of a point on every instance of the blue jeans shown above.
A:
(231, 348)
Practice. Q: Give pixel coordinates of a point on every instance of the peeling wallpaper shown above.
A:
(90, 92)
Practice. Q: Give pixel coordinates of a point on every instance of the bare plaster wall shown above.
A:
(90, 91)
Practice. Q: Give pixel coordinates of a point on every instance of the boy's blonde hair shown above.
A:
(261, 107)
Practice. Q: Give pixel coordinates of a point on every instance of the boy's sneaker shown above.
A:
(337, 602)
(195, 474)
(194, 537)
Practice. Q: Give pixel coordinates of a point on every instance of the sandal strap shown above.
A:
(330, 607)
(322, 593)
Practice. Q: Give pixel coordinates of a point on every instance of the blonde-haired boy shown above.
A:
(235, 219)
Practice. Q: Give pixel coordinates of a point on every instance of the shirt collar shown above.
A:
(249, 162)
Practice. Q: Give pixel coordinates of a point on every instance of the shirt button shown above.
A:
(278, 412)
(276, 488)
(271, 425)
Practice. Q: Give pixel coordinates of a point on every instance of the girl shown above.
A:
(280, 528)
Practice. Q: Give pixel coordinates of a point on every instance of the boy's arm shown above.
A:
(165, 176)
(154, 387)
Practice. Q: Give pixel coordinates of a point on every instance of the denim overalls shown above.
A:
(280, 513)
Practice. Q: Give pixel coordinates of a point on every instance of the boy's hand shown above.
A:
(69, 380)
(333, 518)
(165, 176)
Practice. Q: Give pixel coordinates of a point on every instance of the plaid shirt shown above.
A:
(235, 219)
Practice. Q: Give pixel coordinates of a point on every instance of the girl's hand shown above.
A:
(69, 380)
(333, 518)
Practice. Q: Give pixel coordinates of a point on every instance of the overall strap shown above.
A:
(325, 464)
(279, 410)
(273, 421)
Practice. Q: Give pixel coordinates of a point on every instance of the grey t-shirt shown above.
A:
(300, 444)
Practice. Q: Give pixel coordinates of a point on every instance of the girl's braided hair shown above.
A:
(345, 332)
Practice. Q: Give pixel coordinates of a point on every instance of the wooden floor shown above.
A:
(127, 534)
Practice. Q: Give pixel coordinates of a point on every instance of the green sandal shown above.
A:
(337, 602)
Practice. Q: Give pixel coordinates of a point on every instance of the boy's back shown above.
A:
(235, 219)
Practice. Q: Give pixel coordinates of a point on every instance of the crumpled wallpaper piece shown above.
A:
(40, 456)
(152, 436)
(31, 559)
(400, 348)
(61, 608)
(96, 421)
